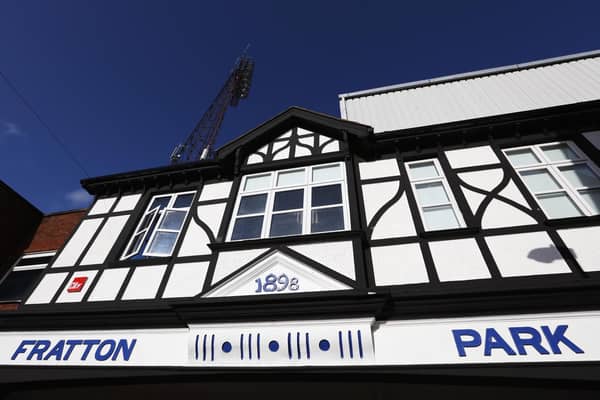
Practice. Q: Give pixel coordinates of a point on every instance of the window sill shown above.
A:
(573, 221)
(285, 240)
(452, 233)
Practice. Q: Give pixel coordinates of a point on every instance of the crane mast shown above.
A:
(199, 143)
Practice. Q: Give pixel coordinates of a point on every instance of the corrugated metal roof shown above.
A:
(522, 87)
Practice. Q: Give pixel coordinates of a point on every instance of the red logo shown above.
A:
(77, 284)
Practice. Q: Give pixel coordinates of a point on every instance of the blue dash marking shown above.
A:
(258, 345)
(289, 345)
(196, 348)
(242, 346)
(298, 344)
(307, 347)
(341, 344)
(250, 346)
(350, 344)
(204, 348)
(212, 348)
(360, 350)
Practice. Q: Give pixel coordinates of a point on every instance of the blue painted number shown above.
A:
(274, 283)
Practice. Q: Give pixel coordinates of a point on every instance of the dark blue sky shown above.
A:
(122, 82)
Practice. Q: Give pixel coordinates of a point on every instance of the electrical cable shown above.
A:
(44, 124)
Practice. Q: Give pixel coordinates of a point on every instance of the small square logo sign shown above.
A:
(77, 284)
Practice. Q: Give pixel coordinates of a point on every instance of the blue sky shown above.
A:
(122, 82)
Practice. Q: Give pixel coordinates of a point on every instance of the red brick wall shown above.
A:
(54, 230)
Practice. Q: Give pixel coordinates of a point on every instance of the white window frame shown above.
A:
(307, 208)
(441, 178)
(553, 168)
(160, 214)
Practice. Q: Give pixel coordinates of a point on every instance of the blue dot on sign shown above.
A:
(324, 344)
(273, 345)
(226, 347)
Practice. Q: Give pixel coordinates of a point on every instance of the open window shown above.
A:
(291, 202)
(159, 227)
(560, 177)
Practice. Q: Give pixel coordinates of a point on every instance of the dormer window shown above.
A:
(159, 226)
(291, 202)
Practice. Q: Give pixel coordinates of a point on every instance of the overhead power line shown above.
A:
(44, 124)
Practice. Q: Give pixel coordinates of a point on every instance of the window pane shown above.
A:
(522, 157)
(289, 200)
(147, 219)
(286, 224)
(326, 173)
(247, 228)
(17, 283)
(257, 182)
(290, 178)
(559, 152)
(423, 170)
(173, 220)
(183, 200)
(431, 194)
(558, 205)
(326, 195)
(592, 199)
(134, 246)
(163, 243)
(252, 204)
(580, 175)
(539, 180)
(327, 219)
(440, 218)
(160, 202)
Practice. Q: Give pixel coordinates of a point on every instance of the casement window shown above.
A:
(560, 177)
(437, 206)
(159, 226)
(22, 275)
(291, 202)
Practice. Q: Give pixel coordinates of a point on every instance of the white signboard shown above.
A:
(563, 337)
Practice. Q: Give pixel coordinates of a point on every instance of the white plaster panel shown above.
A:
(144, 282)
(214, 191)
(302, 152)
(458, 260)
(282, 155)
(128, 202)
(308, 141)
(105, 240)
(102, 206)
(378, 169)
(375, 195)
(487, 179)
(500, 214)
(212, 215)
(302, 131)
(526, 254)
(264, 148)
(186, 279)
(512, 192)
(254, 159)
(593, 137)
(474, 199)
(307, 279)
(339, 256)
(397, 221)
(195, 241)
(229, 261)
(47, 288)
(583, 244)
(482, 155)
(77, 243)
(108, 285)
(74, 297)
(398, 265)
(331, 147)
(279, 145)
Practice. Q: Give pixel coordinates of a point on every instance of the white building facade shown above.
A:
(441, 234)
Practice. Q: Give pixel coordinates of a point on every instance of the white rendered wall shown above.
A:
(144, 282)
(398, 265)
(186, 279)
(127, 203)
(458, 260)
(47, 288)
(105, 240)
(102, 206)
(584, 245)
(378, 169)
(482, 155)
(229, 261)
(74, 297)
(339, 256)
(75, 246)
(109, 284)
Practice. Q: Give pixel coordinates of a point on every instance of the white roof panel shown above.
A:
(547, 83)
